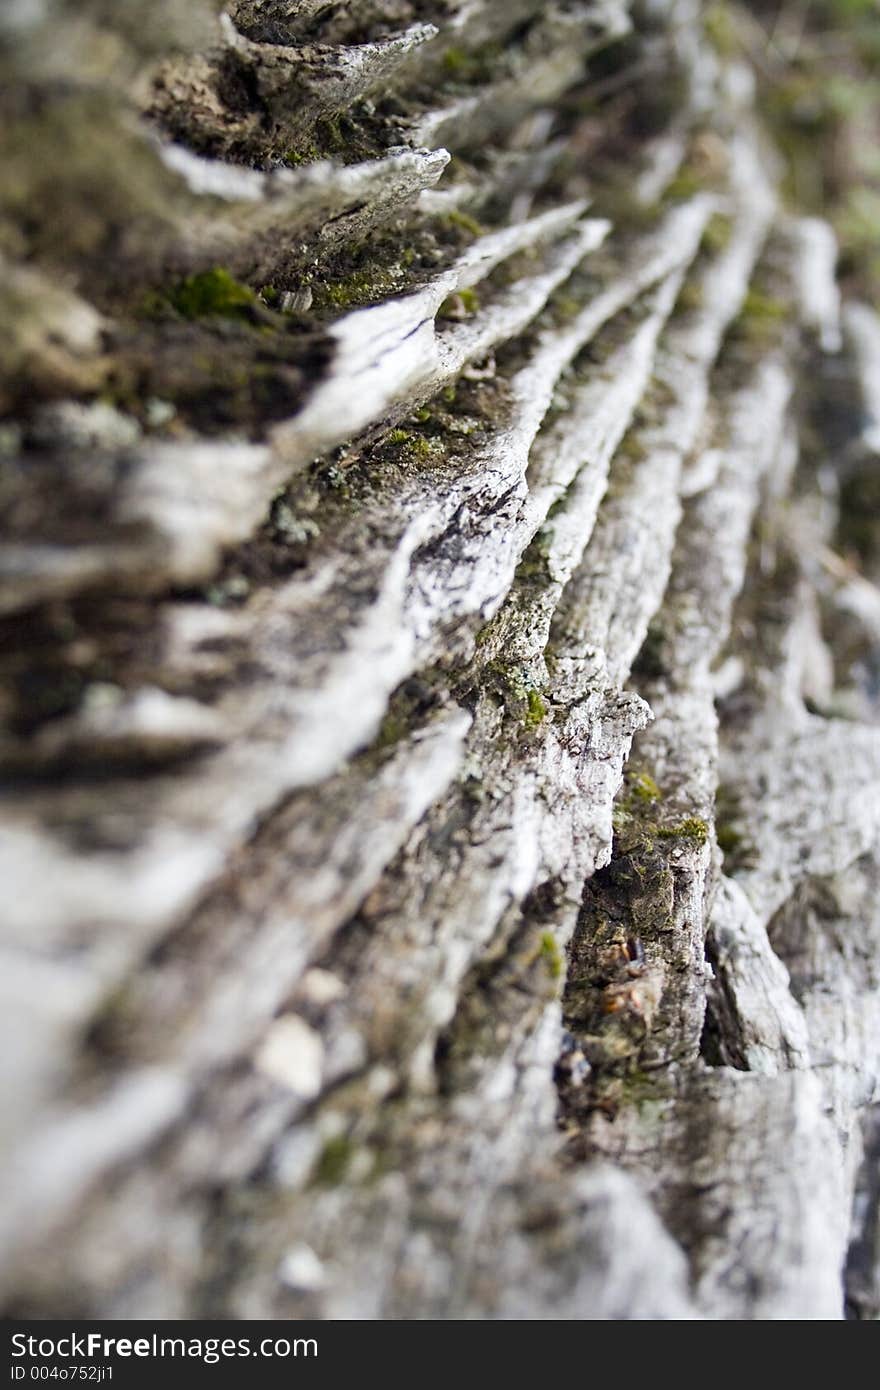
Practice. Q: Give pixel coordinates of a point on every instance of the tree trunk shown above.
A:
(441, 647)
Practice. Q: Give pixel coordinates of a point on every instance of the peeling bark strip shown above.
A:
(440, 826)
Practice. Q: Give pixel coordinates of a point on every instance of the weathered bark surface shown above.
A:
(440, 834)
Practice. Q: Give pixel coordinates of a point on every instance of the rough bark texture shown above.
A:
(441, 659)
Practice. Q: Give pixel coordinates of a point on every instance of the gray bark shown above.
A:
(443, 768)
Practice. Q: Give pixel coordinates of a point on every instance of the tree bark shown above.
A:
(441, 730)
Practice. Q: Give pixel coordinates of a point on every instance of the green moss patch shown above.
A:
(691, 828)
(211, 293)
(551, 955)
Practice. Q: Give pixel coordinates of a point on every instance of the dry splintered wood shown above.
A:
(440, 605)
